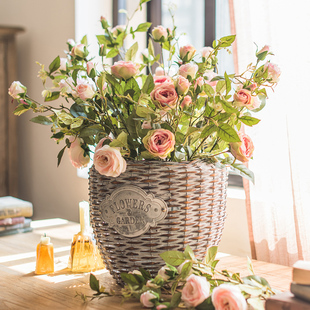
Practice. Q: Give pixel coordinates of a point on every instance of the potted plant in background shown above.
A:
(161, 142)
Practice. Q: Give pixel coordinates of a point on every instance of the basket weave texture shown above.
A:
(195, 193)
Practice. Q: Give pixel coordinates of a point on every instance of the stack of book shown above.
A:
(299, 296)
(14, 215)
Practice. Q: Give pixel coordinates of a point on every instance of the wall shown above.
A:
(54, 192)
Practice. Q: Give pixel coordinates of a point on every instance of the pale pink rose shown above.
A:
(179, 268)
(206, 51)
(108, 161)
(159, 142)
(199, 82)
(228, 297)
(63, 64)
(66, 86)
(150, 284)
(244, 149)
(188, 69)
(159, 307)
(159, 79)
(85, 90)
(137, 272)
(146, 298)
(187, 101)
(182, 85)
(274, 72)
(159, 33)
(266, 48)
(76, 153)
(244, 98)
(210, 75)
(164, 96)
(78, 50)
(252, 86)
(118, 30)
(188, 50)
(17, 88)
(146, 125)
(195, 291)
(71, 42)
(162, 273)
(159, 71)
(125, 69)
(90, 65)
(100, 144)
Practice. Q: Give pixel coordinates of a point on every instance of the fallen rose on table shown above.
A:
(187, 282)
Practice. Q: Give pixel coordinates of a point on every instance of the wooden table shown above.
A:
(20, 288)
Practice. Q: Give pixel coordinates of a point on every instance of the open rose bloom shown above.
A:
(174, 109)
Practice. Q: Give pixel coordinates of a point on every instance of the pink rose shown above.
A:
(252, 86)
(108, 161)
(266, 48)
(159, 71)
(242, 150)
(195, 291)
(206, 51)
(274, 72)
(159, 79)
(77, 153)
(187, 50)
(90, 65)
(182, 85)
(78, 50)
(85, 90)
(159, 34)
(164, 96)
(188, 69)
(118, 30)
(159, 142)
(125, 69)
(199, 82)
(187, 101)
(243, 98)
(146, 125)
(228, 296)
(17, 88)
(159, 307)
(63, 64)
(146, 298)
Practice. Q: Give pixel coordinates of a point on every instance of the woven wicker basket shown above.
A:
(195, 196)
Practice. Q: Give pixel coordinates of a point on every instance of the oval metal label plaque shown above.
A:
(131, 211)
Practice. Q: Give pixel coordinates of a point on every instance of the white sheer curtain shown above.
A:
(280, 198)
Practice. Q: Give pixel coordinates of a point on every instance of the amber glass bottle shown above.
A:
(45, 256)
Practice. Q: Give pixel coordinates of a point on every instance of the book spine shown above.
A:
(26, 224)
(12, 220)
(15, 212)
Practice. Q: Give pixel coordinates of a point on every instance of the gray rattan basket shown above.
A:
(195, 197)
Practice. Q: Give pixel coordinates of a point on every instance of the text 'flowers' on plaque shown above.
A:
(131, 211)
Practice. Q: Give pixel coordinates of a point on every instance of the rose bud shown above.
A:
(162, 273)
(159, 79)
(108, 161)
(242, 150)
(159, 34)
(159, 71)
(187, 101)
(79, 50)
(187, 52)
(90, 65)
(77, 153)
(159, 142)
(195, 291)
(274, 72)
(228, 296)
(125, 69)
(199, 82)
(146, 298)
(17, 88)
(266, 48)
(182, 85)
(188, 70)
(118, 30)
(206, 51)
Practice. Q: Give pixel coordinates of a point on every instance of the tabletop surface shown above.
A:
(20, 288)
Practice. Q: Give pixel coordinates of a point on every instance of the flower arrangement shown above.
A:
(127, 114)
(189, 283)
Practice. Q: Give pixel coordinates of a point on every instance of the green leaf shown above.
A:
(103, 39)
(132, 88)
(120, 141)
(262, 56)
(55, 64)
(148, 85)
(250, 266)
(256, 303)
(53, 96)
(186, 269)
(77, 110)
(94, 283)
(84, 40)
(208, 130)
(20, 109)
(114, 83)
(151, 48)
(227, 133)
(174, 258)
(59, 156)
(208, 89)
(243, 171)
(227, 107)
(248, 120)
(189, 253)
(112, 53)
(175, 300)
(129, 279)
(211, 254)
(76, 123)
(43, 120)
(220, 86)
(91, 131)
(58, 135)
(131, 52)
(206, 305)
(228, 83)
(227, 41)
(144, 111)
(143, 27)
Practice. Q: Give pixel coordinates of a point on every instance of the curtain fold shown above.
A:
(279, 209)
